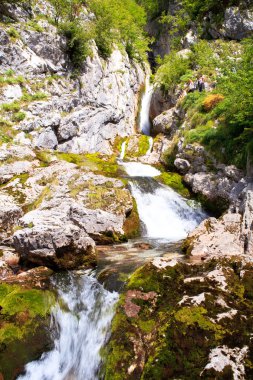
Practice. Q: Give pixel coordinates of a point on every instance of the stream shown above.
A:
(80, 322)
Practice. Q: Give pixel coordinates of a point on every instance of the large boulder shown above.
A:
(167, 122)
(216, 238)
(56, 245)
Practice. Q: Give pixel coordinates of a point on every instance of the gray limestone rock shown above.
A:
(47, 139)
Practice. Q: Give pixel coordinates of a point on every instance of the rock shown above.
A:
(221, 358)
(143, 246)
(10, 213)
(193, 328)
(54, 244)
(238, 24)
(216, 238)
(36, 277)
(12, 93)
(47, 139)
(15, 11)
(167, 122)
(183, 166)
(16, 168)
(160, 103)
(247, 223)
(215, 189)
(189, 39)
(49, 46)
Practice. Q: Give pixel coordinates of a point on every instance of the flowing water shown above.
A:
(80, 322)
(145, 124)
(81, 328)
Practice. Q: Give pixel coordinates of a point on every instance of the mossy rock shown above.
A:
(137, 146)
(24, 318)
(95, 162)
(175, 181)
(172, 336)
(132, 223)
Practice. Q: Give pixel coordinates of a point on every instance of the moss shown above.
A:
(173, 337)
(99, 164)
(19, 310)
(132, 223)
(174, 181)
(147, 326)
(190, 315)
(139, 148)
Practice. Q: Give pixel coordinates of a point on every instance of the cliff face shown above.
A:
(81, 114)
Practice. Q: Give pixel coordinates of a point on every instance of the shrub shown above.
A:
(78, 37)
(13, 33)
(19, 116)
(11, 107)
(211, 101)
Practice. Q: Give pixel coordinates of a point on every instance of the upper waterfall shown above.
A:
(145, 124)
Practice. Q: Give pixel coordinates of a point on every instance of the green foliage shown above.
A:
(122, 23)
(78, 38)
(13, 33)
(19, 116)
(223, 118)
(116, 22)
(172, 69)
(11, 107)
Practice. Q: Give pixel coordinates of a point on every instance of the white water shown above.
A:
(81, 330)
(123, 151)
(151, 143)
(145, 106)
(137, 169)
(165, 214)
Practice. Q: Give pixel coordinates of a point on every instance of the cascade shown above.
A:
(81, 329)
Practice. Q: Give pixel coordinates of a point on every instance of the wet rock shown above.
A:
(160, 103)
(143, 246)
(37, 277)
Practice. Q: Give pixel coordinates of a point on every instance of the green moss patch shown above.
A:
(99, 164)
(175, 181)
(20, 310)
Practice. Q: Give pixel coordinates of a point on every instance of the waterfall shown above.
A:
(81, 330)
(164, 213)
(145, 106)
(123, 151)
(151, 143)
